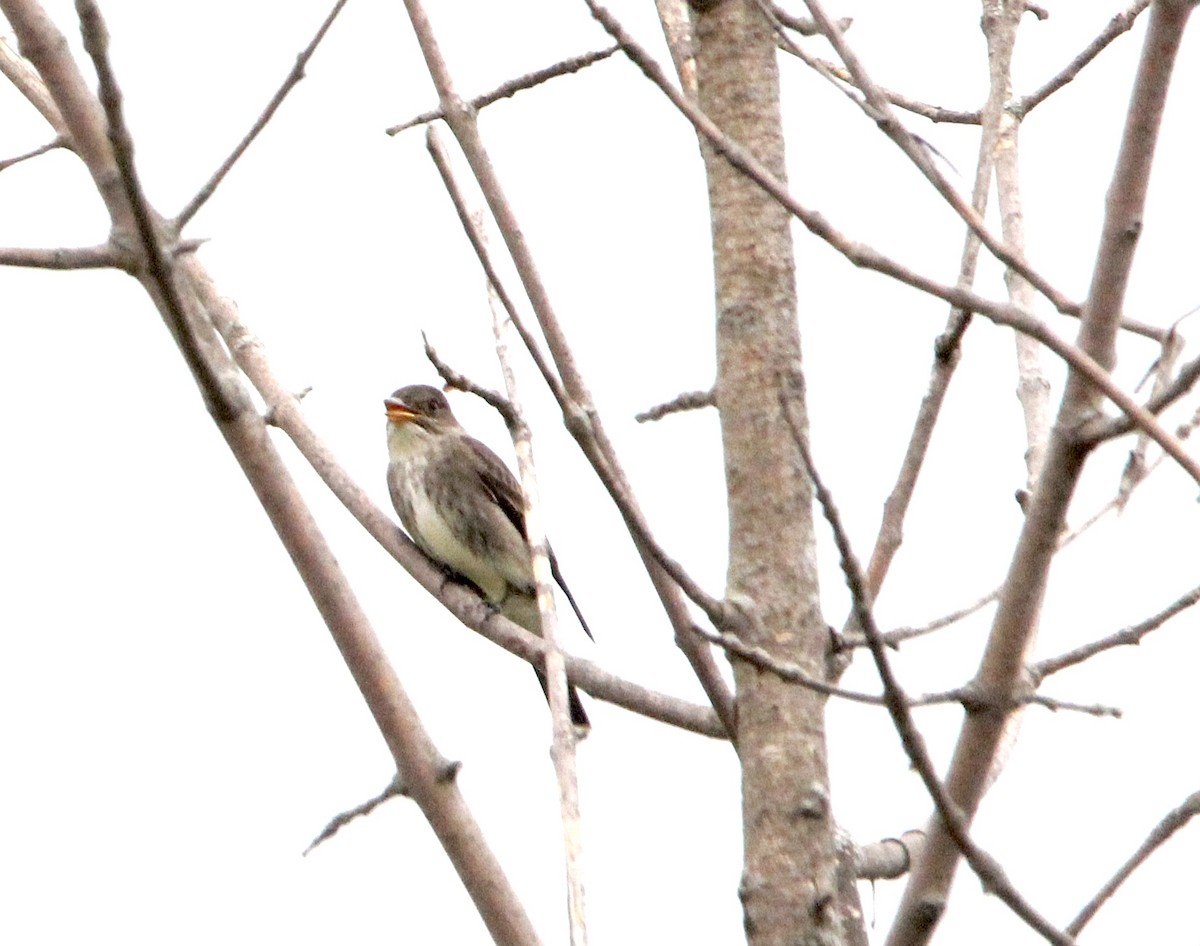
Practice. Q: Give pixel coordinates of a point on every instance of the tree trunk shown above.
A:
(789, 884)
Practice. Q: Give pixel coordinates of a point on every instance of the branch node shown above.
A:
(737, 614)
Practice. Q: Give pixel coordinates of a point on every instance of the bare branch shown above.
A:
(1055, 705)
(1021, 107)
(785, 670)
(395, 789)
(802, 24)
(676, 20)
(159, 270)
(1137, 327)
(1119, 24)
(1135, 466)
(935, 113)
(1122, 638)
(30, 84)
(946, 354)
(1014, 628)
(292, 79)
(901, 634)
(1102, 429)
(689, 401)
(889, 858)
(861, 255)
(60, 92)
(510, 88)
(898, 636)
(967, 696)
(460, 382)
(562, 747)
(876, 106)
(1002, 135)
(35, 153)
(898, 705)
(68, 257)
(1174, 819)
(471, 228)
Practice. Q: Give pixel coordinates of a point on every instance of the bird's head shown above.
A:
(417, 412)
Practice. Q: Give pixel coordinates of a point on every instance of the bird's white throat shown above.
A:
(406, 440)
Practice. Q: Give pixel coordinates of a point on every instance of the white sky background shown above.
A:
(177, 725)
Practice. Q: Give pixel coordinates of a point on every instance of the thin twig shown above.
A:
(1174, 819)
(1088, 709)
(69, 257)
(395, 789)
(898, 704)
(290, 81)
(935, 113)
(1119, 24)
(1125, 637)
(898, 636)
(58, 142)
(1161, 370)
(688, 401)
(510, 88)
(458, 381)
(901, 634)
(783, 669)
(966, 696)
(802, 24)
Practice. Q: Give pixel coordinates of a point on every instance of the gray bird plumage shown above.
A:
(464, 509)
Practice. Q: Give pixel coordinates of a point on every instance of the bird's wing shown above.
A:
(506, 491)
(501, 485)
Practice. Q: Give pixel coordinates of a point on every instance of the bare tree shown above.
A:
(789, 664)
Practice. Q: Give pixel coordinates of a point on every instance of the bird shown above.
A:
(463, 508)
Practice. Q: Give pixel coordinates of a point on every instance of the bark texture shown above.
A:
(789, 885)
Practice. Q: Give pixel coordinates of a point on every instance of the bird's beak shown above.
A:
(397, 411)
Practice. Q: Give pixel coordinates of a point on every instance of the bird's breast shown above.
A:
(438, 526)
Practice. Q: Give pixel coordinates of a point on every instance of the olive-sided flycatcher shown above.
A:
(464, 509)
